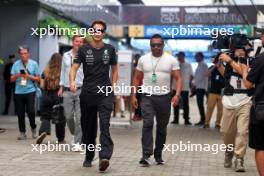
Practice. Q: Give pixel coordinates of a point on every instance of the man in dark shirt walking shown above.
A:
(96, 57)
(254, 77)
(9, 87)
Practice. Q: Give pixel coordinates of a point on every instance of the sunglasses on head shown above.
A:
(158, 45)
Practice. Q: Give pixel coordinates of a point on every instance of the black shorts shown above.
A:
(256, 132)
(256, 136)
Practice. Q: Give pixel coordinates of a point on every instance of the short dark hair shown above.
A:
(156, 36)
(99, 22)
(75, 36)
(20, 47)
(199, 54)
(11, 56)
(181, 53)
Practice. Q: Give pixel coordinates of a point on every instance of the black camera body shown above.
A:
(231, 43)
(235, 41)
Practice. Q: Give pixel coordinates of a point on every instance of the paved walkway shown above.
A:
(17, 158)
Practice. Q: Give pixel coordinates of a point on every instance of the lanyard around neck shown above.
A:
(71, 60)
(154, 69)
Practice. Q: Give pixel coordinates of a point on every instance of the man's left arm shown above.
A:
(248, 84)
(235, 65)
(177, 77)
(252, 76)
(114, 69)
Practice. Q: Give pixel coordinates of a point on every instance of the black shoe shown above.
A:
(38, 113)
(61, 141)
(145, 162)
(2, 130)
(201, 123)
(206, 126)
(187, 123)
(217, 126)
(174, 122)
(103, 164)
(87, 163)
(41, 137)
(159, 161)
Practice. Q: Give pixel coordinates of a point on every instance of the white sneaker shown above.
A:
(22, 136)
(239, 165)
(34, 133)
(73, 140)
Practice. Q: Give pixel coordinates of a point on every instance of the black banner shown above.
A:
(207, 15)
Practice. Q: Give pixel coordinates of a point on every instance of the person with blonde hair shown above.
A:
(49, 83)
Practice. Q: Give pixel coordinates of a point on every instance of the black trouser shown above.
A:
(159, 106)
(200, 93)
(138, 109)
(49, 99)
(9, 91)
(25, 103)
(90, 106)
(185, 103)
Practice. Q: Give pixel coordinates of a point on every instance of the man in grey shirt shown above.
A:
(201, 84)
(156, 69)
(71, 101)
(187, 76)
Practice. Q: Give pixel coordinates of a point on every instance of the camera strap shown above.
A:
(229, 89)
(24, 65)
(258, 50)
(34, 83)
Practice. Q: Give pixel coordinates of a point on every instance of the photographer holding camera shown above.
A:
(216, 84)
(254, 77)
(236, 103)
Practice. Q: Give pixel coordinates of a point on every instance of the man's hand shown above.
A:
(244, 67)
(13, 78)
(19, 75)
(73, 86)
(175, 100)
(28, 76)
(60, 92)
(134, 101)
(31, 77)
(113, 87)
(218, 65)
(72, 76)
(225, 58)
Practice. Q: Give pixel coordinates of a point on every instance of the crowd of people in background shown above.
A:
(69, 87)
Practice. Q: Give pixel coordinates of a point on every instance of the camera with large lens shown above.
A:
(233, 42)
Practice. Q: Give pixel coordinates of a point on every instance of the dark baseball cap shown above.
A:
(181, 53)
(11, 56)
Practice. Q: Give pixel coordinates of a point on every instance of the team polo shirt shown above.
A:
(96, 66)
